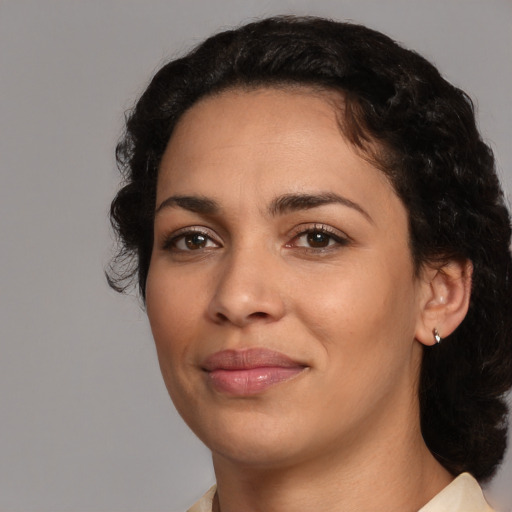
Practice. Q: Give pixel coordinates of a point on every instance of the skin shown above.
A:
(344, 433)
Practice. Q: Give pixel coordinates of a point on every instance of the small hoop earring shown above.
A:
(437, 337)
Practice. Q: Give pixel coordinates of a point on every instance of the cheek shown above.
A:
(172, 308)
(364, 320)
(361, 308)
(172, 305)
(172, 296)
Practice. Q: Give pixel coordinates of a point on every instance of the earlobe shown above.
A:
(445, 300)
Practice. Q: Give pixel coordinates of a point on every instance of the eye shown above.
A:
(189, 240)
(318, 237)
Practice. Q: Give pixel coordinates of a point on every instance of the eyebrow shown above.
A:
(196, 204)
(294, 202)
(279, 206)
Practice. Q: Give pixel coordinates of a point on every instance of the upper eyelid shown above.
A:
(168, 226)
(173, 236)
(191, 229)
(316, 226)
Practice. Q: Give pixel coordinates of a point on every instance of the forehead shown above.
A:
(245, 115)
(264, 141)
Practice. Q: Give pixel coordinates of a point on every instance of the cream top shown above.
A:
(462, 495)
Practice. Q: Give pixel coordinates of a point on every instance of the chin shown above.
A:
(255, 440)
(262, 453)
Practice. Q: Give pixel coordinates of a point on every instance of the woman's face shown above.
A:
(281, 291)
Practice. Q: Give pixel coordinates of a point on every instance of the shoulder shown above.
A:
(205, 503)
(462, 495)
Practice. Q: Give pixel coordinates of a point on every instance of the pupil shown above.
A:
(196, 241)
(318, 239)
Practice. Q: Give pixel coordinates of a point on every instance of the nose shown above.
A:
(247, 290)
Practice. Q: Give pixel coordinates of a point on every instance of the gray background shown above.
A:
(86, 424)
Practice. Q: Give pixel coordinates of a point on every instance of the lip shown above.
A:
(250, 371)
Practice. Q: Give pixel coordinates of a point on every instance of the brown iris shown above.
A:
(318, 239)
(195, 241)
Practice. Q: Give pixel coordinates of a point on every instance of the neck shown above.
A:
(389, 472)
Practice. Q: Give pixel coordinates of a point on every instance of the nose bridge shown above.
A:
(246, 289)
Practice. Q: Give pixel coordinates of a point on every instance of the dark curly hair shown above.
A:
(416, 128)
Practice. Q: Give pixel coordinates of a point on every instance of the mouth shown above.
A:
(250, 371)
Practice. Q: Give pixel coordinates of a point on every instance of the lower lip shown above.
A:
(251, 381)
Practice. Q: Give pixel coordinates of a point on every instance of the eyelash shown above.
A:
(170, 242)
(339, 239)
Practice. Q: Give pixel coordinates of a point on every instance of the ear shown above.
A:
(444, 299)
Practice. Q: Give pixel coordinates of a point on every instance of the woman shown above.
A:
(322, 246)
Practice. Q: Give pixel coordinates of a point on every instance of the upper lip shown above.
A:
(248, 358)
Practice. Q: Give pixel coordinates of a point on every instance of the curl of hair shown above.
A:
(421, 132)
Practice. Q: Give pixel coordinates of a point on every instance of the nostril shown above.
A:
(258, 314)
(222, 317)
